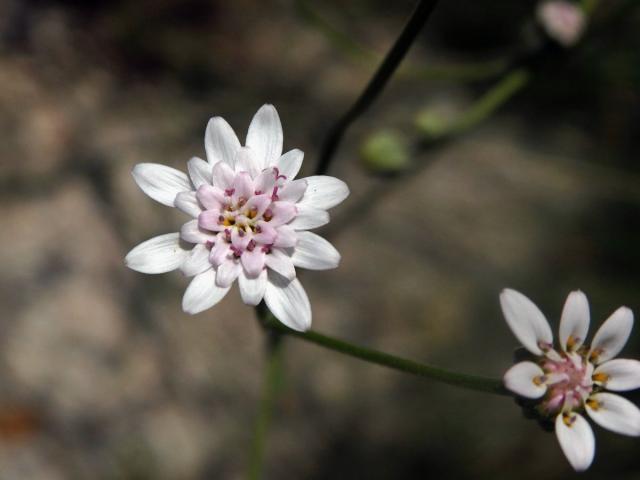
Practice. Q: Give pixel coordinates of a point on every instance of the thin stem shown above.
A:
(484, 107)
(365, 56)
(337, 37)
(377, 83)
(272, 381)
(471, 382)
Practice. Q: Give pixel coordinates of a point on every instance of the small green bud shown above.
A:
(385, 152)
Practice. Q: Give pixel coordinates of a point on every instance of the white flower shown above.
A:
(574, 379)
(249, 221)
(563, 21)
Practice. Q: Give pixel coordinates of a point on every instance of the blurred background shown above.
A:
(536, 188)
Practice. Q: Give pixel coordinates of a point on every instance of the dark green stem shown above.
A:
(460, 72)
(272, 381)
(377, 82)
(471, 382)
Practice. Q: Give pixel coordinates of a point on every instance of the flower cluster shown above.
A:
(574, 379)
(250, 220)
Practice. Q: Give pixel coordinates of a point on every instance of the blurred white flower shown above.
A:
(562, 20)
(249, 221)
(574, 379)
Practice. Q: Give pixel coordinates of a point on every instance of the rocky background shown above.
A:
(101, 374)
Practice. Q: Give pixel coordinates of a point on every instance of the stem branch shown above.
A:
(471, 382)
(377, 83)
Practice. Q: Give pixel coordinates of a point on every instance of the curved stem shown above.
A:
(471, 382)
(377, 82)
(483, 108)
(272, 381)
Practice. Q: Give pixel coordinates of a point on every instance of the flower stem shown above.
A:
(272, 382)
(369, 58)
(484, 107)
(470, 382)
(377, 83)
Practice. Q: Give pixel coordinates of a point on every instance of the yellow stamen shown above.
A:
(600, 377)
(593, 404)
(539, 380)
(594, 355)
(568, 419)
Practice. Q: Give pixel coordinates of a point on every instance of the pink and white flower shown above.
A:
(564, 21)
(249, 221)
(574, 379)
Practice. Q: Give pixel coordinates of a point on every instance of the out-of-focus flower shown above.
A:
(250, 221)
(574, 378)
(563, 21)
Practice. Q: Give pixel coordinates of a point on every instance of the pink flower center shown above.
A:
(247, 217)
(569, 382)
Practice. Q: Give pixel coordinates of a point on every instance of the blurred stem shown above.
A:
(588, 6)
(368, 57)
(272, 382)
(377, 83)
(463, 72)
(338, 38)
(484, 107)
(470, 382)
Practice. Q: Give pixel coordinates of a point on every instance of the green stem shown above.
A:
(367, 57)
(377, 83)
(461, 72)
(470, 382)
(484, 107)
(272, 382)
(588, 6)
(338, 38)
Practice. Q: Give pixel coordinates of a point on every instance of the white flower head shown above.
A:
(567, 382)
(250, 221)
(563, 21)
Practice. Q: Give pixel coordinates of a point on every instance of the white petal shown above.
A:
(202, 293)
(227, 273)
(574, 322)
(289, 164)
(160, 182)
(252, 289)
(197, 261)
(576, 440)
(199, 171)
(612, 335)
(188, 203)
(293, 191)
(288, 302)
(520, 379)
(614, 413)
(159, 254)
(246, 162)
(314, 252)
(622, 374)
(308, 218)
(280, 262)
(190, 232)
(220, 142)
(525, 320)
(223, 175)
(265, 136)
(324, 192)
